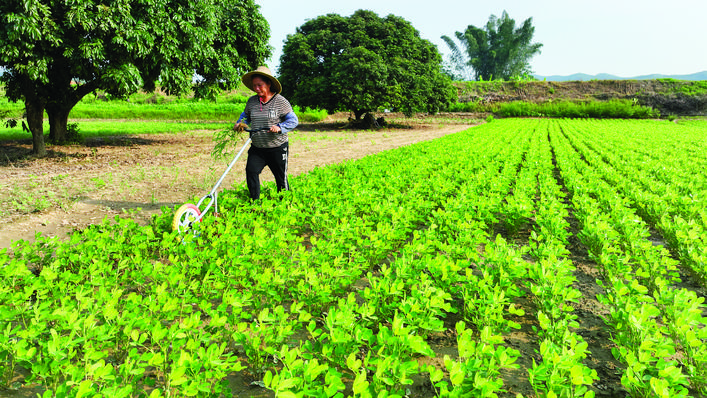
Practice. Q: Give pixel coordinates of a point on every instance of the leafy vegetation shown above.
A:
(641, 276)
(691, 88)
(562, 109)
(329, 291)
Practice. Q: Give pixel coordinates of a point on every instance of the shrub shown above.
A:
(567, 109)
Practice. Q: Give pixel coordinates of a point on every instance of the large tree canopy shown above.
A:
(498, 51)
(56, 51)
(363, 63)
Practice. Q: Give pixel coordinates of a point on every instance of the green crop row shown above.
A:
(667, 194)
(640, 275)
(562, 371)
(269, 275)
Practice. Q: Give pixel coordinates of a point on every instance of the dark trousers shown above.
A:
(275, 159)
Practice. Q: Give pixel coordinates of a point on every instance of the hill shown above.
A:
(605, 76)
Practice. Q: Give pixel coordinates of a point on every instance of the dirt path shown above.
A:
(137, 175)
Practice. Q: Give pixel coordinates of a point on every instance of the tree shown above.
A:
(55, 52)
(498, 51)
(362, 64)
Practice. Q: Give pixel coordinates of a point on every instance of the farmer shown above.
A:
(266, 110)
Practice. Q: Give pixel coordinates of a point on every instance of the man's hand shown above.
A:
(275, 129)
(239, 127)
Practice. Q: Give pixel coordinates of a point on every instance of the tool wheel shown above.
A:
(185, 217)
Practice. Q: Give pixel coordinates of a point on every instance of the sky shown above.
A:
(619, 37)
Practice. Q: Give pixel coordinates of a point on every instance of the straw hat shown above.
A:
(247, 79)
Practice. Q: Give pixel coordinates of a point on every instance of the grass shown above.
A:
(149, 119)
(183, 110)
(103, 128)
(689, 88)
(37, 194)
(157, 106)
(156, 112)
(617, 108)
(192, 110)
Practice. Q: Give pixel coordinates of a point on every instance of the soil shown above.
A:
(137, 175)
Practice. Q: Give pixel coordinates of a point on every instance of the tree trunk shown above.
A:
(35, 123)
(58, 121)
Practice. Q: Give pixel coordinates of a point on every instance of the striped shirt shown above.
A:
(277, 111)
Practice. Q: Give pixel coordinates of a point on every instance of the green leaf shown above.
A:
(360, 383)
(267, 379)
(352, 363)
(176, 376)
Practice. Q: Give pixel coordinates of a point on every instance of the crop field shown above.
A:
(533, 257)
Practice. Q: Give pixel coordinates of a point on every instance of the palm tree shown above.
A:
(498, 51)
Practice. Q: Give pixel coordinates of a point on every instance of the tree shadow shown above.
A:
(344, 125)
(18, 153)
(122, 141)
(321, 126)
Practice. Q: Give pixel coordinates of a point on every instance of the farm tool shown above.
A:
(188, 214)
